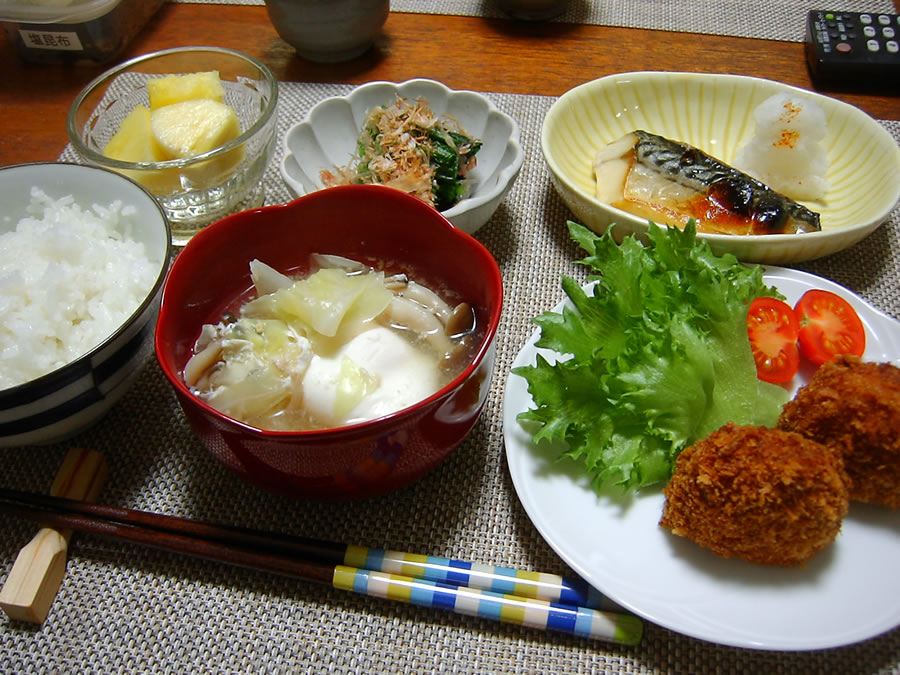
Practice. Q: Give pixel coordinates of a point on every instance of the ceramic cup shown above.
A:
(328, 30)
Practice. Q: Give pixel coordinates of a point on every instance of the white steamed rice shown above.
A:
(69, 277)
(786, 153)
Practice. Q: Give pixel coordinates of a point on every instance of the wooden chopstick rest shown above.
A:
(39, 568)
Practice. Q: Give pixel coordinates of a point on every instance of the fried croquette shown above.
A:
(853, 407)
(765, 495)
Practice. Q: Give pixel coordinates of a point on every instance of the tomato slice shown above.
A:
(772, 329)
(828, 326)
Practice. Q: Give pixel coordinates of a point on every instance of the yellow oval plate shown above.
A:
(715, 113)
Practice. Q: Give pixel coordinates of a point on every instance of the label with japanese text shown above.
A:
(45, 39)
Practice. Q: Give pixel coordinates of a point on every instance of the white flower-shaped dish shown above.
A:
(715, 114)
(326, 138)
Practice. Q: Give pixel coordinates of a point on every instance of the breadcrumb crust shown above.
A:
(764, 495)
(853, 407)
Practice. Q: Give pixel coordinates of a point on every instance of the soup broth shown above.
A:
(343, 344)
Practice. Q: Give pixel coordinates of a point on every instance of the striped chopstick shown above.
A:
(503, 580)
(585, 622)
(437, 585)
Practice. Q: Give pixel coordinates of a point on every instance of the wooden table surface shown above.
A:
(462, 52)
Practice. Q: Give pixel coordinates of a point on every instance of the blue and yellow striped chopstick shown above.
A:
(585, 622)
(503, 580)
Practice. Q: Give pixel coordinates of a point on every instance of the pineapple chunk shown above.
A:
(133, 141)
(179, 130)
(190, 128)
(157, 181)
(171, 89)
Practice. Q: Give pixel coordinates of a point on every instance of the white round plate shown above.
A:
(847, 593)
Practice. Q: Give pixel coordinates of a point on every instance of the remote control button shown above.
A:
(888, 32)
(865, 18)
(843, 47)
(892, 46)
(873, 46)
(869, 31)
(884, 19)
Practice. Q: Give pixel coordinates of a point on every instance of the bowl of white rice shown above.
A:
(83, 255)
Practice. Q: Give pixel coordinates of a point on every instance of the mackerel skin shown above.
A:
(688, 183)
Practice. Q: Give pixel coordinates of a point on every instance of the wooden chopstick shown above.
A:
(537, 585)
(326, 562)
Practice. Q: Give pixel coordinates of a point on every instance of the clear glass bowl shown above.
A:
(195, 191)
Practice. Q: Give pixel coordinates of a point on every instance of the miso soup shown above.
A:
(344, 344)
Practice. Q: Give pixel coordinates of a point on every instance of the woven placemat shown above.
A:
(127, 609)
(783, 20)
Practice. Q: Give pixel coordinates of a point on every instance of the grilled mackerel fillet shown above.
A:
(671, 182)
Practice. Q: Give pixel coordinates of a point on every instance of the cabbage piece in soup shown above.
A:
(341, 346)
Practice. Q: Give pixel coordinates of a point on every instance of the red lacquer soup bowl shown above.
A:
(377, 225)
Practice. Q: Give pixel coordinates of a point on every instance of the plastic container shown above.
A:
(62, 31)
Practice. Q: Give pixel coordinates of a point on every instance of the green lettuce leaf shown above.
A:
(653, 357)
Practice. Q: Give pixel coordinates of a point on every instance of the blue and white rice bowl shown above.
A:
(65, 401)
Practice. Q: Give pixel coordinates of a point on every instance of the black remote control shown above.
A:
(854, 49)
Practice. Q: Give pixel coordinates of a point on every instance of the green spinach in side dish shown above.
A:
(406, 146)
(652, 358)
